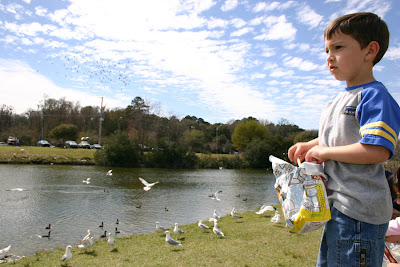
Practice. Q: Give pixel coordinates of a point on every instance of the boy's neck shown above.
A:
(363, 79)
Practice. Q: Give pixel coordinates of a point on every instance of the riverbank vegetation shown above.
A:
(138, 136)
(251, 241)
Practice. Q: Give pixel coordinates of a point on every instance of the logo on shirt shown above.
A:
(349, 110)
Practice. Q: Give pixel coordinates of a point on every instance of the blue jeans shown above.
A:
(347, 242)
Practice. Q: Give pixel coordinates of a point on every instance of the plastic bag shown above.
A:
(302, 194)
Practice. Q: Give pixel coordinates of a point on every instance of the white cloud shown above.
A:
(309, 17)
(241, 32)
(40, 11)
(229, 5)
(299, 63)
(393, 53)
(277, 28)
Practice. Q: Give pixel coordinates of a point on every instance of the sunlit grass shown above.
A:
(251, 241)
(45, 155)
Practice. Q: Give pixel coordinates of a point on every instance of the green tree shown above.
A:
(248, 131)
(194, 140)
(64, 132)
(305, 136)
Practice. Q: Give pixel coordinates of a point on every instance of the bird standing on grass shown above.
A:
(171, 241)
(177, 230)
(202, 225)
(217, 231)
(68, 255)
(234, 215)
(159, 228)
(111, 240)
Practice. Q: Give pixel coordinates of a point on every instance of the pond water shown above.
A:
(55, 195)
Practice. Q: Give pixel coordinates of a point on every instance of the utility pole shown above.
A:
(101, 119)
(216, 141)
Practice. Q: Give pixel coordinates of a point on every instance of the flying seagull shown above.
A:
(147, 186)
(214, 195)
(87, 181)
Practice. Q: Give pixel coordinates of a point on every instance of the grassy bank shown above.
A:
(251, 241)
(45, 155)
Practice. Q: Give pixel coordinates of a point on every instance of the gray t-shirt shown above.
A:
(359, 191)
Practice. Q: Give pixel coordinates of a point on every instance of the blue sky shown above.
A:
(216, 60)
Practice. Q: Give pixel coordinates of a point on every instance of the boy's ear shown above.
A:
(372, 50)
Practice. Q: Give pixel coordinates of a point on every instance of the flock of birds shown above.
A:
(89, 239)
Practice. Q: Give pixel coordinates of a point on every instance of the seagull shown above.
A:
(217, 231)
(109, 173)
(214, 195)
(4, 252)
(276, 218)
(234, 215)
(68, 255)
(215, 215)
(147, 186)
(202, 225)
(111, 240)
(171, 241)
(265, 208)
(87, 243)
(87, 181)
(177, 230)
(48, 227)
(16, 189)
(87, 237)
(159, 228)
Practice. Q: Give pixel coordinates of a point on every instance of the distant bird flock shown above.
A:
(89, 239)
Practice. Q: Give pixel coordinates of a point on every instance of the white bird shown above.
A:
(215, 215)
(177, 230)
(109, 173)
(16, 189)
(276, 218)
(202, 225)
(265, 208)
(87, 181)
(214, 195)
(159, 228)
(147, 186)
(87, 243)
(68, 255)
(4, 252)
(234, 215)
(171, 241)
(217, 231)
(111, 240)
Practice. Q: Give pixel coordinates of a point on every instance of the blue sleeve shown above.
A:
(379, 117)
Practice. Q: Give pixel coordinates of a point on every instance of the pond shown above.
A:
(56, 195)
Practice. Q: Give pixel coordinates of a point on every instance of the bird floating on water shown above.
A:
(48, 227)
(104, 235)
(87, 181)
(68, 255)
(171, 241)
(117, 231)
(109, 173)
(147, 185)
(46, 236)
(101, 225)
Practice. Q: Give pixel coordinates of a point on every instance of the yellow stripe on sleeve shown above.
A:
(380, 124)
(380, 133)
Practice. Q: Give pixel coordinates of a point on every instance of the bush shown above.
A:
(118, 151)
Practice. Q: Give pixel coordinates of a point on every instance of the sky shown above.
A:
(216, 60)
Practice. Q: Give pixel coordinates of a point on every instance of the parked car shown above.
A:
(3, 143)
(12, 140)
(43, 143)
(71, 144)
(84, 144)
(95, 146)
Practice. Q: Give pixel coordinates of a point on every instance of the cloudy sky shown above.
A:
(214, 59)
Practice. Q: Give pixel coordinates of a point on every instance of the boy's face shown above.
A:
(346, 59)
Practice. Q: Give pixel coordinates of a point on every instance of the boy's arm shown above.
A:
(357, 153)
(300, 149)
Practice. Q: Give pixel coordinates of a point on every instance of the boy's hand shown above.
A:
(299, 151)
(316, 154)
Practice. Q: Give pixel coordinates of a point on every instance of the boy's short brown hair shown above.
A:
(364, 27)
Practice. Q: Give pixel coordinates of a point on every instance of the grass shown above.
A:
(251, 241)
(45, 155)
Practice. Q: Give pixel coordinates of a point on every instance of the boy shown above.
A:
(358, 132)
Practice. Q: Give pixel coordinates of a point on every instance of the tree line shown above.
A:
(152, 140)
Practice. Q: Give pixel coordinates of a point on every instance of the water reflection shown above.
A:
(56, 195)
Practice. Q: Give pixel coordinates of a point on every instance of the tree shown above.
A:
(305, 136)
(194, 140)
(64, 132)
(248, 131)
